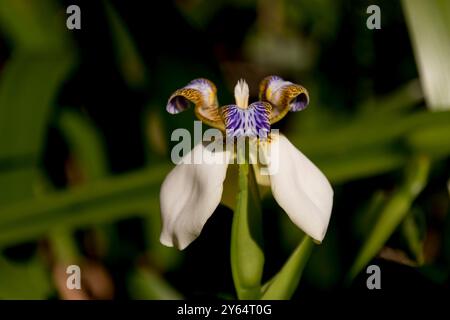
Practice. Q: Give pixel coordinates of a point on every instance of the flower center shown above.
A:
(244, 120)
(250, 122)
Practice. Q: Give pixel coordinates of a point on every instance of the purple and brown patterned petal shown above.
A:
(203, 94)
(250, 122)
(284, 95)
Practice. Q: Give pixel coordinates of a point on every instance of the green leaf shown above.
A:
(247, 257)
(63, 246)
(400, 100)
(24, 280)
(429, 28)
(360, 134)
(145, 284)
(85, 143)
(360, 164)
(28, 85)
(368, 216)
(392, 213)
(128, 58)
(131, 194)
(369, 146)
(283, 285)
(429, 140)
(34, 25)
(413, 232)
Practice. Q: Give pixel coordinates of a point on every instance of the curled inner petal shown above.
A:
(203, 94)
(284, 95)
(251, 122)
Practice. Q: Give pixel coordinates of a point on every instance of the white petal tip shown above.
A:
(172, 243)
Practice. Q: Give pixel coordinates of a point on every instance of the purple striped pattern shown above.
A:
(250, 122)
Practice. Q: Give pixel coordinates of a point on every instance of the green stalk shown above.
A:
(247, 257)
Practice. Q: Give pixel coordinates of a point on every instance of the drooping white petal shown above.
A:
(190, 194)
(299, 187)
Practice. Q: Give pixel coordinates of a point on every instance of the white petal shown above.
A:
(190, 194)
(299, 187)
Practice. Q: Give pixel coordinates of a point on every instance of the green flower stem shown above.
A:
(247, 257)
(283, 285)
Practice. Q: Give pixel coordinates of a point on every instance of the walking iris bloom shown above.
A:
(192, 191)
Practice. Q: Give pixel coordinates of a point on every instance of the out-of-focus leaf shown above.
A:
(364, 221)
(361, 164)
(85, 143)
(34, 25)
(24, 280)
(145, 284)
(412, 230)
(200, 13)
(247, 257)
(156, 134)
(356, 134)
(64, 246)
(128, 58)
(41, 58)
(429, 28)
(399, 100)
(394, 211)
(289, 52)
(106, 200)
(88, 150)
(370, 145)
(282, 286)
(429, 140)
(28, 86)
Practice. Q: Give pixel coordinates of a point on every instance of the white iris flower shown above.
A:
(192, 191)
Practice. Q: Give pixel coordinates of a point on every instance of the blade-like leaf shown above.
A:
(34, 25)
(393, 212)
(128, 58)
(430, 33)
(85, 143)
(24, 280)
(128, 195)
(28, 86)
(283, 285)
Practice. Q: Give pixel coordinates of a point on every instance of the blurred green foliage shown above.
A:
(374, 136)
